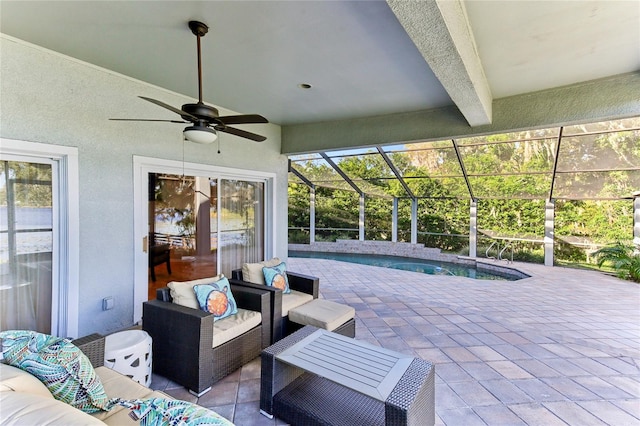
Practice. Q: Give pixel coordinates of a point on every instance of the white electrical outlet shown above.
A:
(107, 303)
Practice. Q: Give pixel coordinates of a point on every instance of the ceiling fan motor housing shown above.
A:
(201, 111)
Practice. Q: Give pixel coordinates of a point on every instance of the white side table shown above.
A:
(129, 352)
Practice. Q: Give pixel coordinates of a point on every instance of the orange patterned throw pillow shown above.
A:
(276, 276)
(216, 298)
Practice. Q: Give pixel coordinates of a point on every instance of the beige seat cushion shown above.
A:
(252, 272)
(22, 409)
(322, 314)
(235, 325)
(118, 385)
(293, 300)
(182, 291)
(17, 380)
(119, 416)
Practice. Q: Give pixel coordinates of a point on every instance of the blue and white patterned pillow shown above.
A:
(276, 276)
(216, 298)
(59, 365)
(163, 412)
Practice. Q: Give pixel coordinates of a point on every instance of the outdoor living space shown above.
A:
(176, 141)
(560, 347)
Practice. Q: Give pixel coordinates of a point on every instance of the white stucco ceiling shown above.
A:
(363, 58)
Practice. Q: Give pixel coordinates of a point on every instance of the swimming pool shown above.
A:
(409, 264)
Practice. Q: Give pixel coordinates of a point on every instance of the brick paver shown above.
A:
(561, 347)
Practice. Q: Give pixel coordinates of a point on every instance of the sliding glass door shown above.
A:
(196, 221)
(26, 245)
(201, 226)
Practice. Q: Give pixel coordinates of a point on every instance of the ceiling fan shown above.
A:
(204, 118)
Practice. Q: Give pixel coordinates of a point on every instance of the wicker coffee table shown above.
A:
(316, 377)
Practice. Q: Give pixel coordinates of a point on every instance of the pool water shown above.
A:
(430, 267)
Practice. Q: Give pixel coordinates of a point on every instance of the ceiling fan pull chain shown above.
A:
(183, 141)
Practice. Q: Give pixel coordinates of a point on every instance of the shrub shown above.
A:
(625, 259)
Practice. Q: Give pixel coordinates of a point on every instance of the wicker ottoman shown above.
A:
(325, 314)
(129, 353)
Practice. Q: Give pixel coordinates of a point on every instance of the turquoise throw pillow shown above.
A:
(276, 276)
(162, 412)
(216, 298)
(59, 365)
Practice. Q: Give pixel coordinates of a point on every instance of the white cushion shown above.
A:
(322, 314)
(182, 291)
(235, 325)
(17, 380)
(21, 409)
(252, 272)
(293, 300)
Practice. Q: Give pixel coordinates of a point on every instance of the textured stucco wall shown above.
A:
(49, 98)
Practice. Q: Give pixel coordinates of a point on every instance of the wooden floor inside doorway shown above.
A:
(183, 269)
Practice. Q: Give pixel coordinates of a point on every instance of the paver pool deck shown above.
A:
(561, 347)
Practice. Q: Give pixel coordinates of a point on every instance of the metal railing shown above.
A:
(499, 252)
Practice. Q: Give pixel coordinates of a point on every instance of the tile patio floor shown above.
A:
(561, 347)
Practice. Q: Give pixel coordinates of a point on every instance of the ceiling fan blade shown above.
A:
(182, 113)
(241, 133)
(242, 119)
(147, 119)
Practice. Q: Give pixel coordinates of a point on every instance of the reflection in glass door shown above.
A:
(187, 236)
(26, 245)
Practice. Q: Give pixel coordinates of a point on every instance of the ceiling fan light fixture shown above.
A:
(200, 134)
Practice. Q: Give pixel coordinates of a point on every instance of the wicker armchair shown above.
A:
(183, 339)
(281, 326)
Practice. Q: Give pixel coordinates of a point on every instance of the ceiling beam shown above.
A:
(610, 98)
(440, 30)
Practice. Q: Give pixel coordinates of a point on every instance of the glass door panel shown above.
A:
(179, 230)
(26, 246)
(241, 223)
(193, 218)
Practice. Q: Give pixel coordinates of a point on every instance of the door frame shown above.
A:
(66, 223)
(142, 166)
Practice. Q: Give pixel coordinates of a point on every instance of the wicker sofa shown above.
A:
(26, 401)
(303, 285)
(183, 339)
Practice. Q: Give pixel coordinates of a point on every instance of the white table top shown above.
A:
(124, 340)
(363, 367)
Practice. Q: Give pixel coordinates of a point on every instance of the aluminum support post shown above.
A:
(394, 221)
(636, 220)
(549, 223)
(361, 220)
(414, 221)
(312, 215)
(473, 228)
